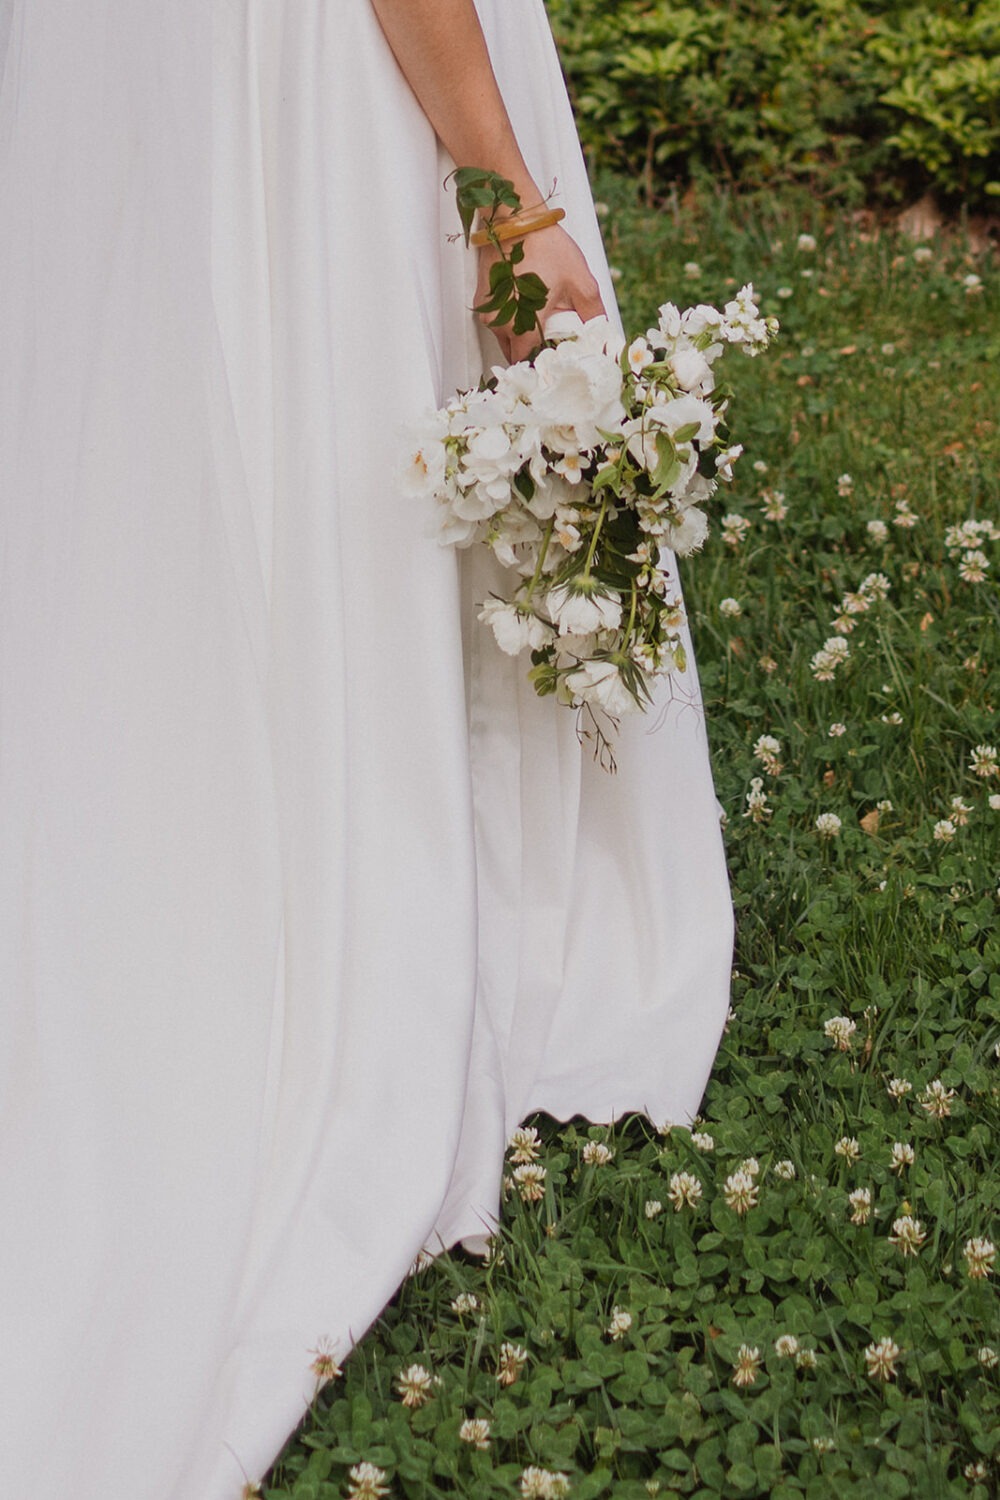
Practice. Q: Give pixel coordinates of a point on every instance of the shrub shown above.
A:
(857, 98)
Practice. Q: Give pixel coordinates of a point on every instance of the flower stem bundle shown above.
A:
(584, 468)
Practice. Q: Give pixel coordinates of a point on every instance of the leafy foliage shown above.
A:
(880, 376)
(854, 97)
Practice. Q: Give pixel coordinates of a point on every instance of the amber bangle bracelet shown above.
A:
(517, 226)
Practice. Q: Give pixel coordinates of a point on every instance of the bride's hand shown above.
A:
(559, 261)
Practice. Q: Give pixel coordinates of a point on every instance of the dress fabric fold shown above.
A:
(306, 900)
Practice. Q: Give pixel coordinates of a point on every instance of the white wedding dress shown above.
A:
(306, 901)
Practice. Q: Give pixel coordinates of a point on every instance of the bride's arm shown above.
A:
(439, 45)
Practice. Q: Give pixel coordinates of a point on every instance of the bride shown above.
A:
(306, 901)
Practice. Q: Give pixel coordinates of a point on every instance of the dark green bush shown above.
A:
(860, 99)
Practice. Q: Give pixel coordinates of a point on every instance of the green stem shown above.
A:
(631, 612)
(593, 540)
(547, 537)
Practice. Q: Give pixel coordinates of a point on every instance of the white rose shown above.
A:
(580, 391)
(424, 472)
(688, 533)
(478, 503)
(692, 371)
(697, 319)
(681, 412)
(514, 630)
(578, 612)
(551, 492)
(601, 682)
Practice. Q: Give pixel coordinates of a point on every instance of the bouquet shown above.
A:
(582, 468)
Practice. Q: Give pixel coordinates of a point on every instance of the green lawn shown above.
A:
(759, 1304)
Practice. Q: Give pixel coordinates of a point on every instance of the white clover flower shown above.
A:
(423, 1260)
(476, 1431)
(806, 1359)
(747, 1365)
(734, 529)
(848, 1148)
(875, 586)
(415, 1385)
(902, 1155)
(653, 1207)
(784, 1169)
(692, 270)
(465, 1302)
(897, 1088)
(828, 825)
(960, 811)
(767, 749)
(597, 1154)
(936, 1099)
(823, 1445)
(845, 484)
(881, 1359)
(840, 1029)
(757, 808)
(684, 1191)
(702, 1140)
(543, 1484)
(730, 608)
(759, 466)
(325, 1366)
(861, 1205)
(878, 531)
(972, 282)
(836, 730)
(621, 1322)
(772, 503)
(786, 1346)
(923, 253)
(983, 761)
(988, 1357)
(944, 831)
(895, 718)
(740, 1192)
(904, 516)
(367, 1482)
(806, 242)
(972, 568)
(980, 1257)
(510, 1363)
(908, 1234)
(994, 801)
(974, 1472)
(825, 662)
(530, 1181)
(750, 1165)
(784, 292)
(885, 806)
(524, 1144)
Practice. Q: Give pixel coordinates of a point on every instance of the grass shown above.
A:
(881, 374)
